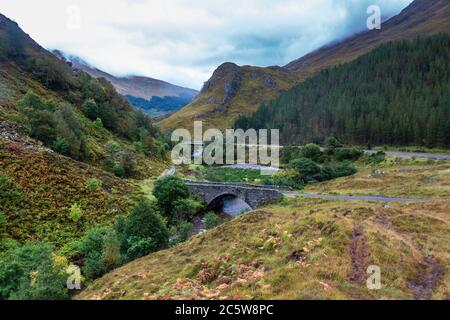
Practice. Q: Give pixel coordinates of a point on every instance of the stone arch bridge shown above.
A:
(213, 193)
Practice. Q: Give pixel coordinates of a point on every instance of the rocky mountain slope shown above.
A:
(231, 91)
(420, 18)
(216, 109)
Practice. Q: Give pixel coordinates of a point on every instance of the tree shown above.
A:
(30, 272)
(90, 109)
(144, 231)
(167, 191)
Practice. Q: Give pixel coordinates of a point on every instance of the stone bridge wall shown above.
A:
(255, 196)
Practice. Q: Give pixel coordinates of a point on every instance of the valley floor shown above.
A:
(306, 248)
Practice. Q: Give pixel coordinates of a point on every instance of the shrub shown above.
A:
(311, 151)
(211, 220)
(332, 143)
(167, 191)
(184, 209)
(307, 169)
(344, 169)
(118, 170)
(128, 165)
(289, 153)
(111, 250)
(8, 192)
(93, 184)
(75, 212)
(351, 154)
(98, 123)
(61, 146)
(184, 230)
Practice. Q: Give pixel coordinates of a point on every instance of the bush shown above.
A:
(93, 184)
(128, 165)
(376, 158)
(307, 169)
(289, 153)
(98, 123)
(311, 151)
(111, 250)
(75, 212)
(118, 170)
(211, 220)
(351, 154)
(184, 209)
(167, 191)
(332, 143)
(61, 146)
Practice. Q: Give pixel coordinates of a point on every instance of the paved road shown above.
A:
(341, 197)
(399, 154)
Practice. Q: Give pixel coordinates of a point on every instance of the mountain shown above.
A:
(420, 18)
(397, 94)
(63, 133)
(231, 91)
(152, 95)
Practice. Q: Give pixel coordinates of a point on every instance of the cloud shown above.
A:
(183, 41)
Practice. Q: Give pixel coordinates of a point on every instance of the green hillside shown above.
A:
(398, 94)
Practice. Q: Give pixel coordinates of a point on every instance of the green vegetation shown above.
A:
(167, 191)
(32, 272)
(397, 95)
(212, 220)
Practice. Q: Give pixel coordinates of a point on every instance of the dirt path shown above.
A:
(358, 255)
(429, 274)
(343, 197)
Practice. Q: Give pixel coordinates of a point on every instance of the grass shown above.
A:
(420, 178)
(301, 249)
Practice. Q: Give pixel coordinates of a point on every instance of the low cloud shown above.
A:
(183, 41)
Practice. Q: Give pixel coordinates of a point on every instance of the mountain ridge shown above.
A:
(420, 18)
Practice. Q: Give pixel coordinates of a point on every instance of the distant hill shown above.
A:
(154, 96)
(231, 91)
(420, 18)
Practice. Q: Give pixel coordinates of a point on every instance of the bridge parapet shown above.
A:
(255, 196)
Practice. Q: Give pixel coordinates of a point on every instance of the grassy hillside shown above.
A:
(309, 248)
(231, 91)
(397, 94)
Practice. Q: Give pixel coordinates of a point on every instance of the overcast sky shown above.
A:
(183, 41)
